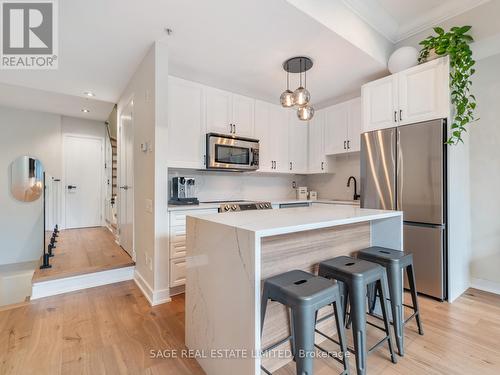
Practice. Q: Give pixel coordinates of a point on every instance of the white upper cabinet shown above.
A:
(424, 92)
(337, 117)
(297, 141)
(228, 113)
(279, 133)
(343, 127)
(243, 115)
(317, 158)
(186, 124)
(263, 134)
(417, 94)
(354, 128)
(379, 101)
(219, 111)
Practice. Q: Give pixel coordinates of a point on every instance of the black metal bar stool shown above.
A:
(395, 262)
(304, 294)
(354, 276)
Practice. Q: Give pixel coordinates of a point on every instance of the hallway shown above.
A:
(81, 251)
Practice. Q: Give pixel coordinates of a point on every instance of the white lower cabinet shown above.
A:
(177, 272)
(177, 244)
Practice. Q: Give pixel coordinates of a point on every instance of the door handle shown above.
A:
(400, 115)
(234, 128)
(71, 187)
(291, 165)
(124, 187)
(395, 116)
(322, 165)
(345, 145)
(348, 144)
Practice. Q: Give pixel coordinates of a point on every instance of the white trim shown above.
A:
(63, 179)
(90, 280)
(154, 297)
(485, 285)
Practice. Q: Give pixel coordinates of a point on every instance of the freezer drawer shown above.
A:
(427, 245)
(378, 169)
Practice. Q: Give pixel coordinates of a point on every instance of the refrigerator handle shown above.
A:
(399, 171)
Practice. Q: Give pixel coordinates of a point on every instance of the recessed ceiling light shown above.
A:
(89, 93)
(85, 110)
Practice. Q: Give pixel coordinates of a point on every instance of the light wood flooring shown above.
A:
(81, 251)
(111, 330)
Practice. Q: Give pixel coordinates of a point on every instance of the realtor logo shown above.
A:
(29, 34)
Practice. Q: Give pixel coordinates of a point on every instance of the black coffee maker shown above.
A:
(183, 191)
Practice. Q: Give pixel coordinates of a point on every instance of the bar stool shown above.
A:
(304, 294)
(395, 261)
(354, 276)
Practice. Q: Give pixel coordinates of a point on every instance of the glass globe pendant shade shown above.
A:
(301, 96)
(305, 113)
(286, 99)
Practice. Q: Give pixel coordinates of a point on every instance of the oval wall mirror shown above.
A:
(26, 183)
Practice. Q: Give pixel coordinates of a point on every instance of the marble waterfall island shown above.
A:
(228, 255)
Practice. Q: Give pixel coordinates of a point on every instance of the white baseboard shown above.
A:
(70, 284)
(485, 285)
(154, 297)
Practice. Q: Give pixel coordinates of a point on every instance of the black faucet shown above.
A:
(356, 196)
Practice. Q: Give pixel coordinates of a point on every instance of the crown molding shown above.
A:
(379, 19)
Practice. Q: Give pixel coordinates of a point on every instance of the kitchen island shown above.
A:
(229, 254)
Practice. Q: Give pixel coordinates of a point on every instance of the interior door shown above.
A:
(378, 169)
(83, 167)
(420, 176)
(126, 179)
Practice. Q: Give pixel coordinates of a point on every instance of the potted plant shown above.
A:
(456, 44)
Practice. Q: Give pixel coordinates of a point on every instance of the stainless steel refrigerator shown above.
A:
(404, 168)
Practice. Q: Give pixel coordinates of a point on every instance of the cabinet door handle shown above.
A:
(345, 143)
(275, 164)
(395, 116)
(291, 165)
(400, 115)
(322, 165)
(348, 144)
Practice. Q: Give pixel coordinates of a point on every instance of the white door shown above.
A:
(297, 144)
(126, 179)
(83, 176)
(243, 115)
(337, 118)
(354, 126)
(186, 129)
(317, 160)
(423, 92)
(380, 103)
(263, 134)
(219, 111)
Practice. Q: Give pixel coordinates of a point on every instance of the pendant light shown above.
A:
(301, 97)
(286, 97)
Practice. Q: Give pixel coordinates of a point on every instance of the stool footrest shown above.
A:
(275, 345)
(329, 354)
(376, 326)
(378, 344)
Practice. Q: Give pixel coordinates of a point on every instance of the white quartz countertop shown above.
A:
(274, 222)
(207, 206)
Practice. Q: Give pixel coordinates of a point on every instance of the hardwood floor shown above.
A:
(111, 330)
(81, 251)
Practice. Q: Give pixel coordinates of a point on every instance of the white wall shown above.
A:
(334, 186)
(148, 90)
(36, 134)
(485, 176)
(213, 186)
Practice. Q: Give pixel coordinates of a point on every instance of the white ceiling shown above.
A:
(236, 45)
(400, 19)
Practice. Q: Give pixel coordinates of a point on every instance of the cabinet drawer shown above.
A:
(177, 272)
(178, 218)
(177, 242)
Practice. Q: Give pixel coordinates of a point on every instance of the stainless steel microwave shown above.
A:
(232, 153)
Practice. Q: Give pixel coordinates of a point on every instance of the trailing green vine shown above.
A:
(455, 43)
